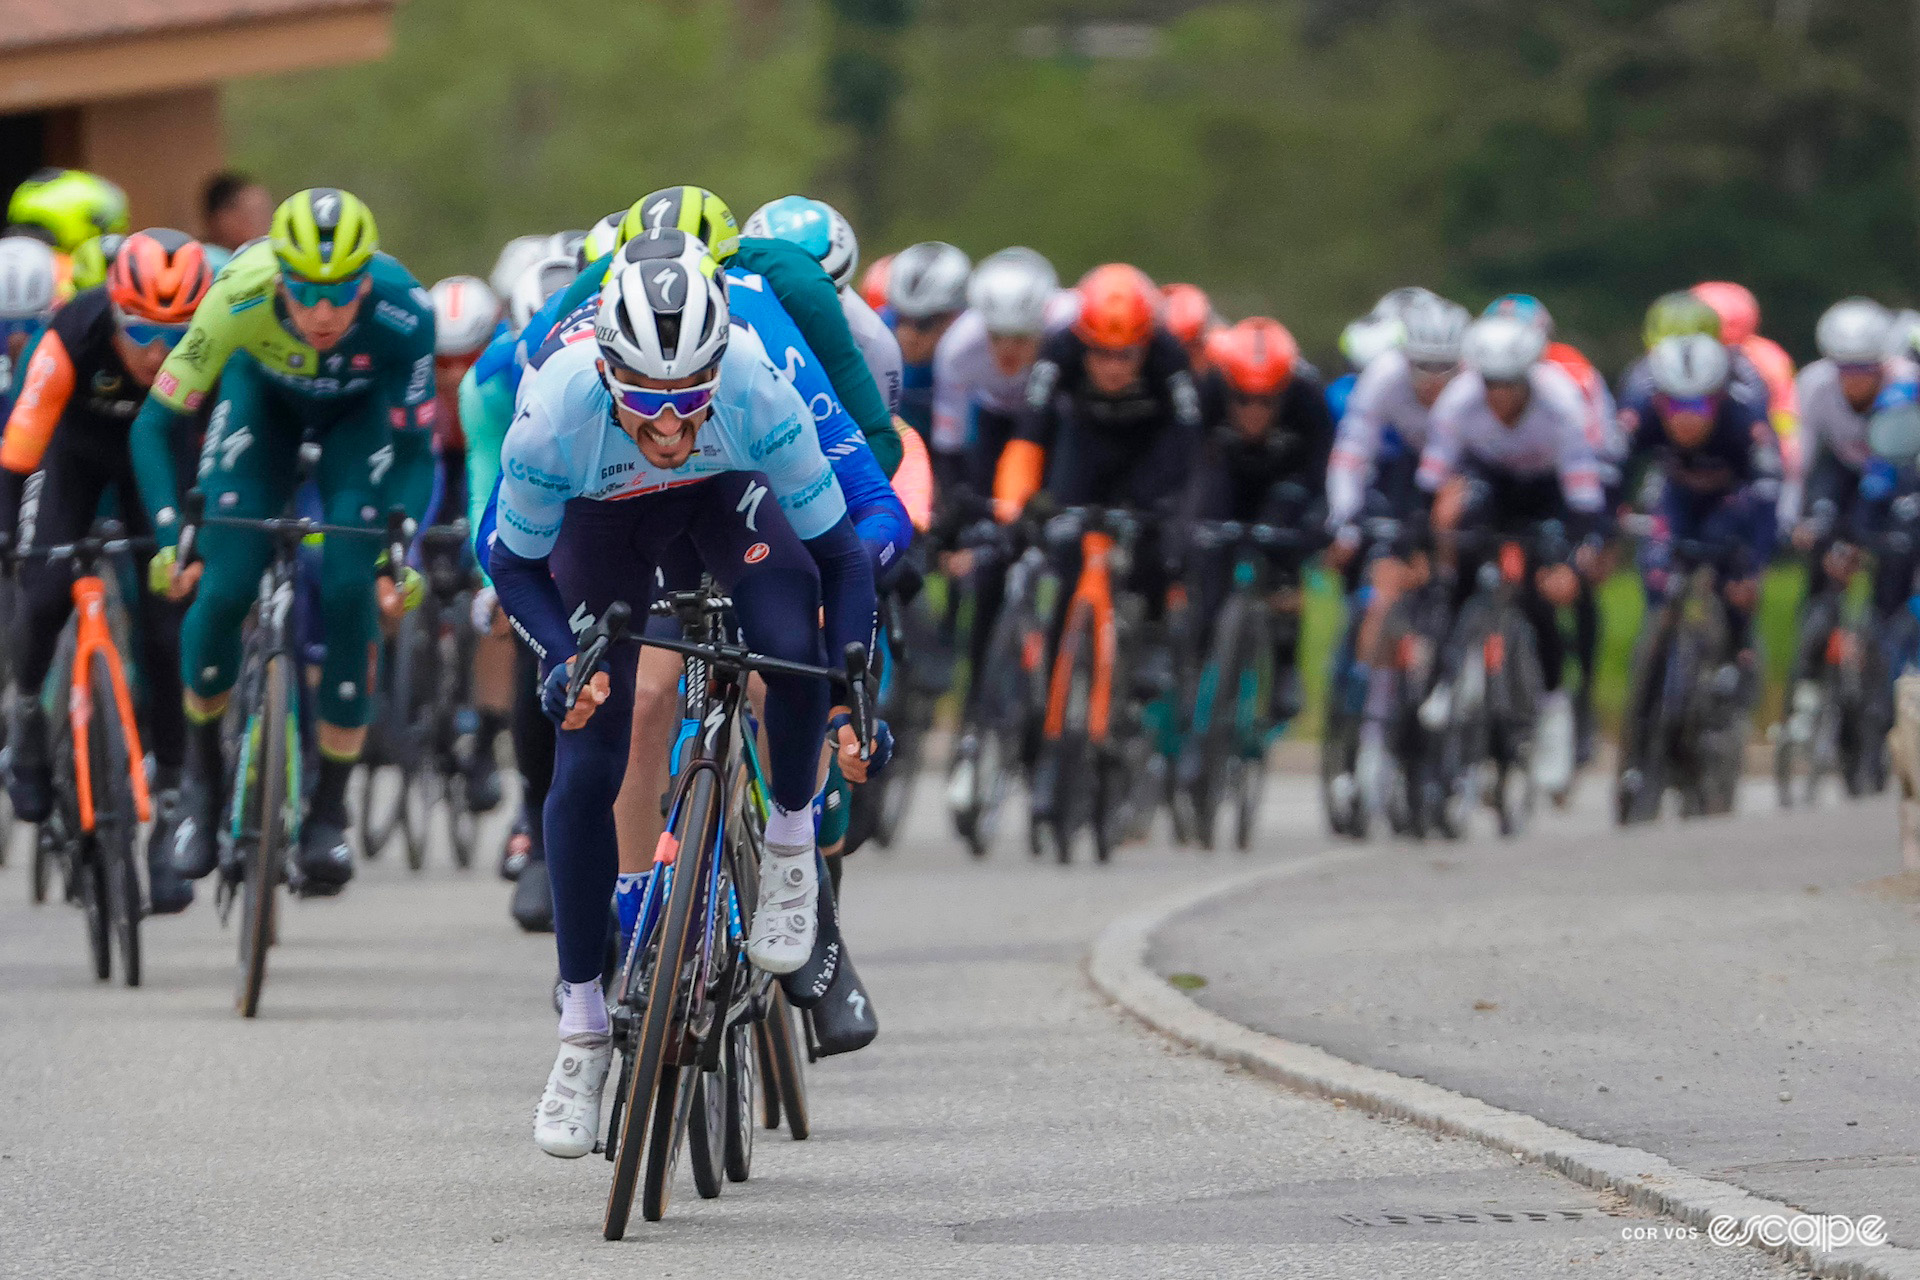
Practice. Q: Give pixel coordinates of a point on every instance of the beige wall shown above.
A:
(161, 147)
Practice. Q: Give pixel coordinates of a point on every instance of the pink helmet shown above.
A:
(1739, 310)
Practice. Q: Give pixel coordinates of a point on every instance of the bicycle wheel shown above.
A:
(266, 802)
(91, 878)
(1065, 776)
(114, 821)
(44, 857)
(652, 1083)
(786, 1052)
(740, 1078)
(770, 1110)
(707, 1132)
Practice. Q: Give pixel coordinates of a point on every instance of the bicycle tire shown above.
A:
(42, 870)
(1003, 709)
(789, 1071)
(91, 875)
(770, 1111)
(267, 793)
(653, 1044)
(740, 1080)
(707, 1133)
(1218, 684)
(1071, 752)
(114, 819)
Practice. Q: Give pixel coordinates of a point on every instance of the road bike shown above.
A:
(1231, 714)
(687, 999)
(1685, 727)
(99, 768)
(1092, 753)
(267, 734)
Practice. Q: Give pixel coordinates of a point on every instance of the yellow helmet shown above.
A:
(694, 210)
(71, 206)
(324, 234)
(91, 260)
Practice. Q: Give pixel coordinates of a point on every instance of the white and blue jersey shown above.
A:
(564, 444)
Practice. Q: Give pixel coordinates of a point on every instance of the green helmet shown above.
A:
(1678, 314)
(324, 234)
(91, 260)
(70, 206)
(694, 210)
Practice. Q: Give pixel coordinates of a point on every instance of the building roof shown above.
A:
(33, 23)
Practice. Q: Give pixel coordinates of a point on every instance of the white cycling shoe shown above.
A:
(567, 1121)
(788, 916)
(1553, 752)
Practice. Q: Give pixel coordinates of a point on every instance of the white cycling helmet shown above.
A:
(515, 257)
(928, 279)
(1370, 337)
(465, 312)
(1854, 331)
(603, 237)
(1394, 303)
(566, 244)
(815, 226)
(26, 278)
(1689, 366)
(663, 310)
(543, 278)
(1503, 348)
(1011, 289)
(1435, 330)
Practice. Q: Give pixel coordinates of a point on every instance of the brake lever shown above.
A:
(858, 708)
(611, 628)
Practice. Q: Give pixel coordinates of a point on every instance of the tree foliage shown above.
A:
(1297, 157)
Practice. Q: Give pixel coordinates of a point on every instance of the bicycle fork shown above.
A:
(94, 638)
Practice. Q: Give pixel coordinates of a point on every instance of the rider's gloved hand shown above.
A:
(160, 570)
(553, 695)
(847, 747)
(483, 604)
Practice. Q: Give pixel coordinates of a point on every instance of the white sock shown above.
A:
(583, 1014)
(788, 830)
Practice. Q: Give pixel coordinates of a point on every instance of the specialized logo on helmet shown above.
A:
(667, 287)
(326, 209)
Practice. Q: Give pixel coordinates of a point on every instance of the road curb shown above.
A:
(1117, 967)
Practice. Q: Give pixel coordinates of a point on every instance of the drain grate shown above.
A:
(1476, 1217)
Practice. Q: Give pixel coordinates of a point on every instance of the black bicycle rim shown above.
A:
(114, 821)
(267, 813)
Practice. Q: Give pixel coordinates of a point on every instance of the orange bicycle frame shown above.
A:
(1091, 606)
(93, 636)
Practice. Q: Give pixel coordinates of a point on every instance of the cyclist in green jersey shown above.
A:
(311, 334)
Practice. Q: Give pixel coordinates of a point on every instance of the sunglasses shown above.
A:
(1858, 368)
(650, 404)
(1700, 405)
(144, 333)
(311, 293)
(1435, 368)
(921, 324)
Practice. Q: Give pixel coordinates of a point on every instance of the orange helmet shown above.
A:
(159, 275)
(1739, 310)
(1256, 356)
(873, 284)
(1118, 307)
(1189, 312)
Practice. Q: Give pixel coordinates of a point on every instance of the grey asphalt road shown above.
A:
(375, 1120)
(1737, 996)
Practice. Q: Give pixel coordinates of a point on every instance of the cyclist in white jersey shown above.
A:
(1376, 450)
(1508, 448)
(1860, 365)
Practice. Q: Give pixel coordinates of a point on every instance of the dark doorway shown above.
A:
(23, 148)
